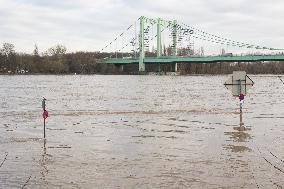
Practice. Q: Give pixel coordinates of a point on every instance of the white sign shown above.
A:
(239, 83)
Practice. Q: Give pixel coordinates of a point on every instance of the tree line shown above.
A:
(56, 60)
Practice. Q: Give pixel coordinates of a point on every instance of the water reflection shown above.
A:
(43, 163)
(236, 149)
(238, 136)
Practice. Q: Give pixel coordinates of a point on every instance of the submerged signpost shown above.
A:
(239, 83)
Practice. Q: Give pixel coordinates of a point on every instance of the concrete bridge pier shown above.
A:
(120, 67)
(174, 67)
(158, 67)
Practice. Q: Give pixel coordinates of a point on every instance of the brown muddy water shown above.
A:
(140, 132)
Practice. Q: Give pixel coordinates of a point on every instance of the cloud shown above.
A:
(87, 25)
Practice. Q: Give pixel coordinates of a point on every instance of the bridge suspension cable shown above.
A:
(119, 36)
(199, 34)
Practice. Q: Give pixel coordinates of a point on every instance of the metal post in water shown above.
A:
(241, 116)
(234, 83)
(44, 128)
(241, 98)
(44, 147)
(44, 115)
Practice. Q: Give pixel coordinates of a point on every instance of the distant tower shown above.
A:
(202, 51)
(223, 52)
(190, 46)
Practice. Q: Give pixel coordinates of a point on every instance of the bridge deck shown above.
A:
(208, 59)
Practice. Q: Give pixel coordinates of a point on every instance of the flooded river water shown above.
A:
(140, 132)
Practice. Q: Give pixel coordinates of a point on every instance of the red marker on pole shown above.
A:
(44, 115)
(241, 96)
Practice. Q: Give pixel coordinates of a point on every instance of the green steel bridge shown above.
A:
(150, 32)
(207, 59)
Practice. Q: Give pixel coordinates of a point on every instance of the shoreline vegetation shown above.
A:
(56, 61)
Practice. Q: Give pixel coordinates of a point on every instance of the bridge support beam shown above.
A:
(142, 46)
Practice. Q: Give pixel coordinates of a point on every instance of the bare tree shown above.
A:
(9, 56)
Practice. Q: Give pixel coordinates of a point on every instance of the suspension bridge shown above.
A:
(159, 41)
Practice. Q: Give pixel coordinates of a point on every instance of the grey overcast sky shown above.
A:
(87, 25)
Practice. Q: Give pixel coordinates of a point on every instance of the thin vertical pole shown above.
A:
(241, 114)
(141, 43)
(43, 105)
(241, 107)
(44, 146)
(44, 128)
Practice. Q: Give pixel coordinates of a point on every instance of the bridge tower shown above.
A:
(175, 53)
(142, 46)
(159, 22)
(159, 42)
